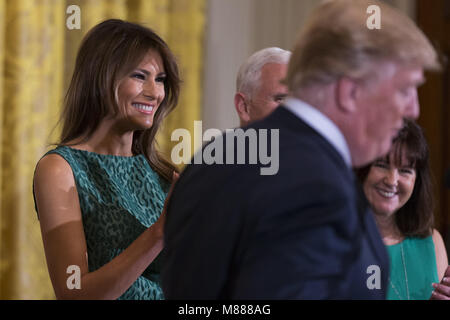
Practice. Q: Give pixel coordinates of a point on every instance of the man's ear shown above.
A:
(346, 93)
(242, 108)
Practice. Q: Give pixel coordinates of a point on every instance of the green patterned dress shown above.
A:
(119, 197)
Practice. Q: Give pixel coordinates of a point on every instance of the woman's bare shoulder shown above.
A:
(55, 192)
(53, 168)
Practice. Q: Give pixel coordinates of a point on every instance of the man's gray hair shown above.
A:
(250, 71)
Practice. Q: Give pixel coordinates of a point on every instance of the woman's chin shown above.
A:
(385, 211)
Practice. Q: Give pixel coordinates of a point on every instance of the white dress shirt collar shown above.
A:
(322, 124)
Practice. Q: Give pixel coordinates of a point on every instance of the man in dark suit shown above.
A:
(303, 231)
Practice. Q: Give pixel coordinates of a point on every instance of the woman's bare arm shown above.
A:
(441, 254)
(64, 240)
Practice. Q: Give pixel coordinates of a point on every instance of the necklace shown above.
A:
(405, 273)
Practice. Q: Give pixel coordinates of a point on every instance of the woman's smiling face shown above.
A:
(141, 92)
(389, 185)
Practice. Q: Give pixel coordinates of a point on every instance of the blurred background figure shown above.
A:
(259, 87)
(398, 187)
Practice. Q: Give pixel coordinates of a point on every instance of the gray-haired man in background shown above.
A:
(258, 85)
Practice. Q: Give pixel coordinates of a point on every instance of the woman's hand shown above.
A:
(442, 289)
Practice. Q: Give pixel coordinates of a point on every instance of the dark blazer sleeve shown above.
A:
(203, 227)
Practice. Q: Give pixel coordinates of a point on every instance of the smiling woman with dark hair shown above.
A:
(399, 190)
(100, 195)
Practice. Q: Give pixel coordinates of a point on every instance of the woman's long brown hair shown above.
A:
(110, 51)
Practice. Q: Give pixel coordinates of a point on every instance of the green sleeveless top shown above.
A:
(119, 197)
(418, 258)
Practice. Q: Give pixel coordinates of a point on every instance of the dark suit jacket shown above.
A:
(304, 233)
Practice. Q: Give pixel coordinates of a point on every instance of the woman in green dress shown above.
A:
(398, 188)
(100, 194)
